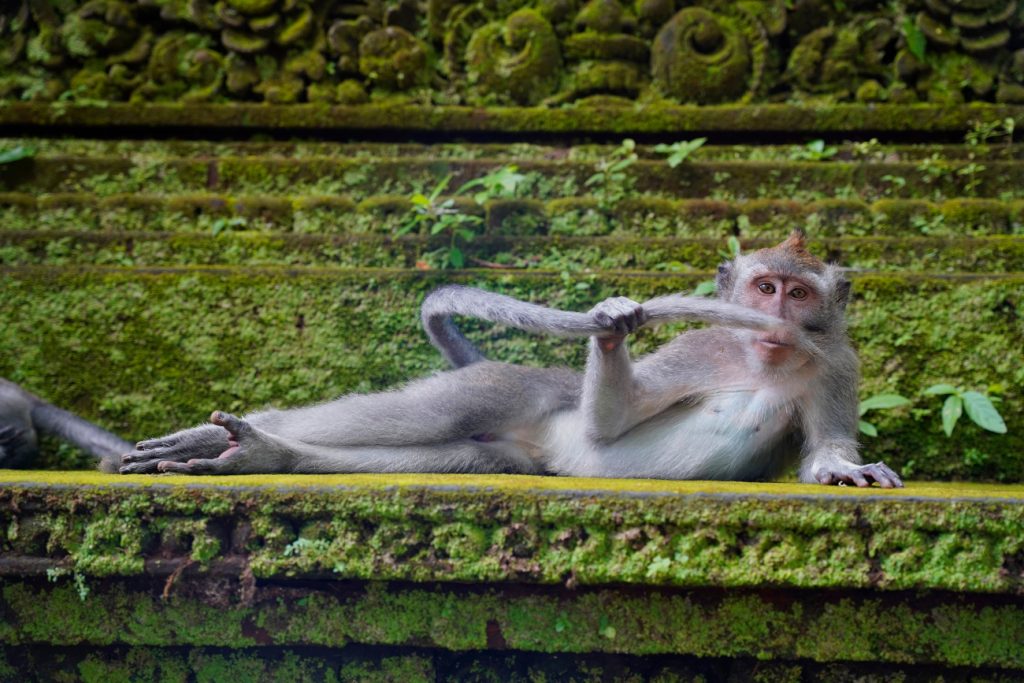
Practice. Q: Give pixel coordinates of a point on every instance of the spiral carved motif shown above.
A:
(702, 57)
(518, 58)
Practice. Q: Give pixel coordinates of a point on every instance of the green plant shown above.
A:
(704, 288)
(815, 150)
(896, 182)
(503, 182)
(732, 246)
(979, 407)
(679, 151)
(223, 224)
(916, 41)
(440, 215)
(972, 173)
(933, 168)
(877, 402)
(9, 155)
(611, 183)
(983, 132)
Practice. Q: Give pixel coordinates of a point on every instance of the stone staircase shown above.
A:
(240, 203)
(183, 269)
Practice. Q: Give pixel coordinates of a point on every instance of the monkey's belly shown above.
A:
(728, 436)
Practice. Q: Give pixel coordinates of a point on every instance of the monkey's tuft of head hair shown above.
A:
(793, 251)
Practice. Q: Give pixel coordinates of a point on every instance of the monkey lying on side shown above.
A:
(774, 376)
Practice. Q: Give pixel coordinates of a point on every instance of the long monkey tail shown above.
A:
(440, 305)
(50, 419)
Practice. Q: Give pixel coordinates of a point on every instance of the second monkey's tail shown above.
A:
(440, 305)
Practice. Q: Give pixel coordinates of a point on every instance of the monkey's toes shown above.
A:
(236, 426)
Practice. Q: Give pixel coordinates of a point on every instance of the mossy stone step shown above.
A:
(573, 216)
(176, 343)
(866, 151)
(999, 254)
(546, 179)
(623, 119)
(532, 564)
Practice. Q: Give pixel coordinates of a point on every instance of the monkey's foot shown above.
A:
(863, 476)
(249, 450)
(205, 441)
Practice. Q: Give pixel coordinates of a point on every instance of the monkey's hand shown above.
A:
(205, 441)
(619, 316)
(861, 475)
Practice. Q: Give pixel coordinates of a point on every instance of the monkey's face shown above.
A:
(786, 296)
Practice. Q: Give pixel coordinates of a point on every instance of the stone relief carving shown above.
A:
(542, 52)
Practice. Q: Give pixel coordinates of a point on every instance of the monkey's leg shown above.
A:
(480, 399)
(251, 450)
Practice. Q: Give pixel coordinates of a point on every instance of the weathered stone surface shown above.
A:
(524, 529)
(928, 575)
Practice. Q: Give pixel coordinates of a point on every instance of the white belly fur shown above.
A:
(726, 436)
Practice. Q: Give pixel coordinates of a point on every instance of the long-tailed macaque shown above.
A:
(774, 377)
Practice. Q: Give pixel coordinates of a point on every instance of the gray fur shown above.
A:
(703, 406)
(774, 378)
(23, 414)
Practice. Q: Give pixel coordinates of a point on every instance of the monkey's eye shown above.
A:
(766, 288)
(798, 293)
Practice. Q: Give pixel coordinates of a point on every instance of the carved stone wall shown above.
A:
(544, 52)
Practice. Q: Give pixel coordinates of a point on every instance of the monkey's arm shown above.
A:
(440, 305)
(829, 418)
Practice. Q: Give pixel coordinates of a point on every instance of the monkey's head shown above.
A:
(789, 282)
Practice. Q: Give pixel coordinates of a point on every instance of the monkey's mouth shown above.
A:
(774, 343)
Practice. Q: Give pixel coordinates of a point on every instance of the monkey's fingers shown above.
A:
(882, 474)
(858, 478)
(223, 465)
(150, 444)
(145, 467)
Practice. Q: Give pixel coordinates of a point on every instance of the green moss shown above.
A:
(656, 118)
(517, 58)
(814, 626)
(699, 56)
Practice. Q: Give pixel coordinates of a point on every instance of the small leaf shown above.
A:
(940, 389)
(882, 401)
(466, 234)
(16, 153)
(456, 257)
(704, 288)
(916, 42)
(438, 227)
(983, 413)
(952, 409)
(420, 200)
(440, 187)
(867, 428)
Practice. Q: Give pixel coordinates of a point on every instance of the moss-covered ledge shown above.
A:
(622, 119)
(155, 569)
(533, 530)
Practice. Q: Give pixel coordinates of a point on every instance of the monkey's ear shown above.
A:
(842, 293)
(723, 281)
